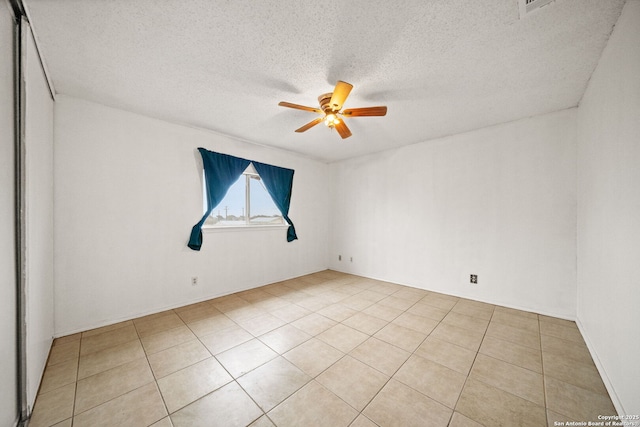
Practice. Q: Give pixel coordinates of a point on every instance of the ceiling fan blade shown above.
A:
(342, 129)
(340, 94)
(366, 111)
(310, 125)
(300, 107)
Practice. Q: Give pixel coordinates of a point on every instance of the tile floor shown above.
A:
(327, 349)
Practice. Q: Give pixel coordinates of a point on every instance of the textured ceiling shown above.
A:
(442, 67)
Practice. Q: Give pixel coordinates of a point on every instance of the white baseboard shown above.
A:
(603, 373)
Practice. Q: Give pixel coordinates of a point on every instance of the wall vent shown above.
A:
(528, 6)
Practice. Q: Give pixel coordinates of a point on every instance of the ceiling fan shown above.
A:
(331, 109)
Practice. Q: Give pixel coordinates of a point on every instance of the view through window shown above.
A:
(246, 203)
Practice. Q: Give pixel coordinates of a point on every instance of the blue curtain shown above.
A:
(279, 182)
(220, 172)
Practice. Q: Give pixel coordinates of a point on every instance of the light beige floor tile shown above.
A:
(272, 304)
(66, 423)
(455, 335)
(450, 355)
(459, 420)
(372, 295)
(398, 405)
(225, 339)
(356, 302)
(515, 354)
(561, 322)
(175, 358)
(514, 335)
(426, 310)
(284, 338)
(139, 407)
(521, 322)
(380, 355)
(290, 313)
(342, 337)
(483, 312)
(432, 379)
(337, 312)
(353, 381)
(99, 361)
(154, 316)
(575, 351)
(156, 325)
(404, 338)
(187, 385)
(516, 312)
(313, 324)
(211, 325)
(575, 402)
(466, 322)
(313, 356)
(107, 340)
(554, 419)
(411, 294)
(166, 339)
(386, 288)
(271, 383)
(67, 339)
(108, 328)
(245, 357)
(416, 322)
(64, 352)
(383, 312)
(439, 301)
(229, 406)
(261, 324)
(198, 312)
(349, 289)
(568, 333)
(491, 406)
(365, 323)
(328, 409)
(396, 302)
(510, 378)
(229, 303)
(100, 388)
(579, 374)
(263, 421)
(165, 422)
(53, 407)
(314, 303)
(244, 313)
(60, 374)
(363, 421)
(477, 305)
(254, 295)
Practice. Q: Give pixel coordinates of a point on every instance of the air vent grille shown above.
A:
(528, 6)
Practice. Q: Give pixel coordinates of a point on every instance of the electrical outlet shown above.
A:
(473, 279)
(339, 257)
(194, 281)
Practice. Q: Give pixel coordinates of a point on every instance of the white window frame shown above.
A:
(249, 173)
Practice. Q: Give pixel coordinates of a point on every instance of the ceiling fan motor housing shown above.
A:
(325, 103)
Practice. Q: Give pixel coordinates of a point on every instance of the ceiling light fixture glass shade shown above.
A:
(331, 120)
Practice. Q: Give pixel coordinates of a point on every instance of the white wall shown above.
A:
(128, 190)
(8, 285)
(39, 212)
(609, 212)
(499, 202)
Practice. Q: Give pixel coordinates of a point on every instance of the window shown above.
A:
(247, 203)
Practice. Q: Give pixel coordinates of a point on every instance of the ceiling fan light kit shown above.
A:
(331, 108)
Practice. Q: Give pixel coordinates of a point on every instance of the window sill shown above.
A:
(219, 228)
